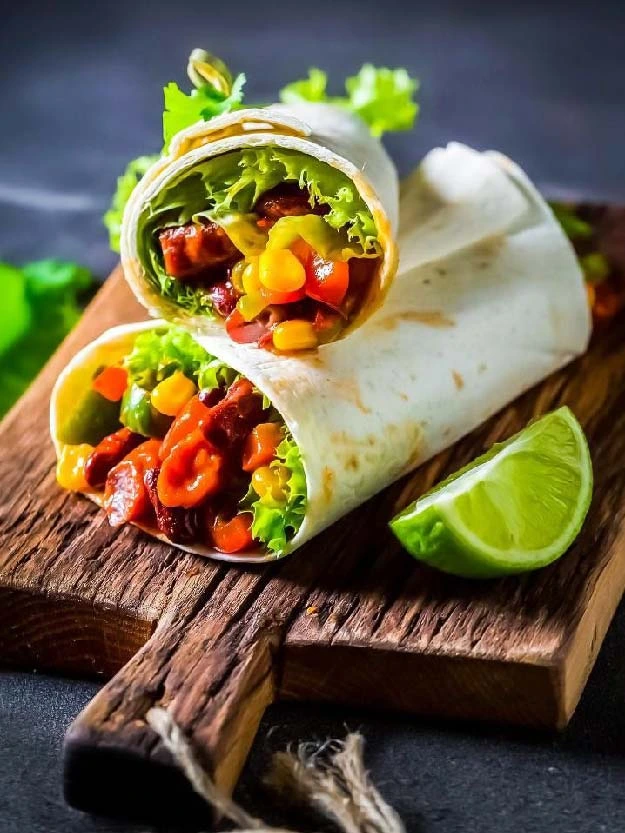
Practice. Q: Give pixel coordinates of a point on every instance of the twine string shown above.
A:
(332, 779)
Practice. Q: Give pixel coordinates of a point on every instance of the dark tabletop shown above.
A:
(542, 81)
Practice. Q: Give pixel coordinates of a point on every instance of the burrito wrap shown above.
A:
(491, 301)
(322, 131)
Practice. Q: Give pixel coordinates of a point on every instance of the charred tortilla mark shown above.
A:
(458, 380)
(328, 483)
(403, 396)
(351, 390)
(352, 463)
(431, 318)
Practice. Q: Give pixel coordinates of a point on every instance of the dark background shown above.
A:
(80, 94)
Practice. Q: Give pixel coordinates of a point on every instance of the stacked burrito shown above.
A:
(319, 331)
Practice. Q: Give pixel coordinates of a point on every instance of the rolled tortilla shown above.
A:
(492, 300)
(322, 131)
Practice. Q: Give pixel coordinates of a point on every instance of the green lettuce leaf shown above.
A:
(158, 353)
(52, 290)
(228, 186)
(126, 184)
(382, 97)
(276, 523)
(206, 102)
(15, 313)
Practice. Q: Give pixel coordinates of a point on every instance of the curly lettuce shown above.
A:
(276, 522)
(204, 103)
(126, 184)
(158, 353)
(383, 98)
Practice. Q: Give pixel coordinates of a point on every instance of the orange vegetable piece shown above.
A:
(327, 280)
(111, 383)
(190, 473)
(233, 535)
(194, 415)
(260, 445)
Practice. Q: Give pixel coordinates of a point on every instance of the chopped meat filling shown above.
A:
(196, 248)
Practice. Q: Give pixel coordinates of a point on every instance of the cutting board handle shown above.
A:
(216, 685)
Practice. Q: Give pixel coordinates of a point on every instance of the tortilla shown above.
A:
(489, 300)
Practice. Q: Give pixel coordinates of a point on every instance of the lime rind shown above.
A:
(440, 527)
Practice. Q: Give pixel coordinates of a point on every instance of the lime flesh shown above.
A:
(516, 508)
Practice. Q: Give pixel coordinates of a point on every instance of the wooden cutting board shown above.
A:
(351, 618)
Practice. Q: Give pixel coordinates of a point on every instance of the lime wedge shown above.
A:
(518, 507)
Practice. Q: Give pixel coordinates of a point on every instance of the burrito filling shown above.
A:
(176, 441)
(278, 244)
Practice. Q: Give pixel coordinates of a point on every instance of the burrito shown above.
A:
(276, 224)
(231, 452)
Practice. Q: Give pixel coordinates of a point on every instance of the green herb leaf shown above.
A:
(51, 291)
(276, 523)
(574, 227)
(182, 110)
(382, 97)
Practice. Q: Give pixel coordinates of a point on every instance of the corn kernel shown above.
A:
(171, 395)
(251, 305)
(294, 335)
(70, 468)
(280, 271)
(236, 275)
(269, 483)
(250, 279)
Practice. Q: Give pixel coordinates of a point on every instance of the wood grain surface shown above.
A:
(350, 618)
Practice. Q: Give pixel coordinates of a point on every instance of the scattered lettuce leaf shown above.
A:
(276, 523)
(594, 264)
(229, 185)
(204, 103)
(15, 312)
(382, 97)
(158, 353)
(573, 226)
(126, 184)
(595, 267)
(53, 290)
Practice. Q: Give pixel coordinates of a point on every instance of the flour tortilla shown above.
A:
(489, 299)
(322, 131)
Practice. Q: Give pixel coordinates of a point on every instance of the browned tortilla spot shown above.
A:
(431, 318)
(351, 392)
(352, 463)
(403, 396)
(458, 380)
(328, 483)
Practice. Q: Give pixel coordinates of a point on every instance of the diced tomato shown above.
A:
(146, 456)
(125, 496)
(260, 445)
(243, 332)
(265, 223)
(233, 535)
(111, 383)
(190, 473)
(327, 280)
(194, 415)
(302, 251)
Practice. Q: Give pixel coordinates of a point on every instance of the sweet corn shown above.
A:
(251, 305)
(70, 468)
(171, 395)
(280, 271)
(294, 335)
(250, 279)
(270, 483)
(236, 275)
